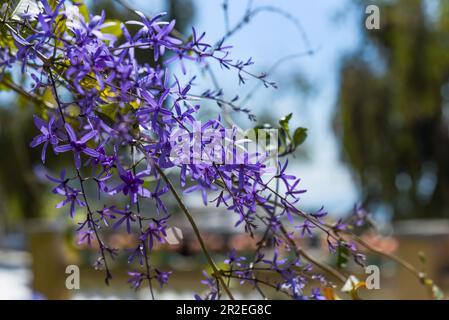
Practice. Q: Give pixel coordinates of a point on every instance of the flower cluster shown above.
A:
(117, 117)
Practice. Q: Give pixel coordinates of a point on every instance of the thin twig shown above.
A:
(143, 242)
(217, 272)
(81, 181)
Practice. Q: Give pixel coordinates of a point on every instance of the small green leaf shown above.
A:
(6, 78)
(422, 257)
(437, 293)
(82, 9)
(299, 136)
(105, 118)
(113, 29)
(108, 113)
(110, 109)
(342, 256)
(285, 120)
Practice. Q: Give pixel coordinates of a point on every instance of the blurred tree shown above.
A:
(184, 13)
(393, 108)
(18, 185)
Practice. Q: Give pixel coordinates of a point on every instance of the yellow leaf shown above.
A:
(135, 104)
(82, 9)
(329, 294)
(113, 29)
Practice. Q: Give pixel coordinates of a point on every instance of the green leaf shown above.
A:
(342, 256)
(82, 9)
(437, 293)
(422, 257)
(108, 113)
(113, 29)
(299, 136)
(285, 120)
(6, 78)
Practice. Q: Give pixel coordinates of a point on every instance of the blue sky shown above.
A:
(271, 36)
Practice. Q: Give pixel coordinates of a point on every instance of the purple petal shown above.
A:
(88, 136)
(38, 140)
(77, 158)
(63, 148)
(144, 192)
(72, 209)
(121, 171)
(91, 152)
(70, 132)
(39, 123)
(144, 173)
(44, 150)
(61, 204)
(117, 189)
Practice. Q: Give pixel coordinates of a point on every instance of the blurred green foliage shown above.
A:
(393, 108)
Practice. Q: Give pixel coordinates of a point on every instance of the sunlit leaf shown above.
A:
(299, 136)
(342, 256)
(329, 294)
(284, 122)
(83, 10)
(352, 285)
(6, 78)
(107, 113)
(113, 28)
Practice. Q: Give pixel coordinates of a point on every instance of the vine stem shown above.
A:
(217, 272)
(398, 260)
(144, 246)
(94, 227)
(298, 251)
(81, 181)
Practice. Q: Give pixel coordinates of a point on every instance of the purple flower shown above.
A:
(360, 215)
(306, 228)
(156, 195)
(162, 277)
(106, 214)
(47, 135)
(135, 279)
(137, 253)
(155, 231)
(340, 225)
(86, 236)
(212, 284)
(275, 264)
(316, 294)
(233, 258)
(62, 182)
(127, 217)
(71, 197)
(155, 108)
(291, 188)
(78, 146)
(320, 214)
(204, 188)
